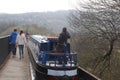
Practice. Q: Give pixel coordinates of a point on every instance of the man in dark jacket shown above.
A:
(63, 36)
(13, 37)
(62, 40)
(62, 45)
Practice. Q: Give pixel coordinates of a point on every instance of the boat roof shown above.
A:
(43, 39)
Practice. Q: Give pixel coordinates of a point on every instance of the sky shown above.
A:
(24, 6)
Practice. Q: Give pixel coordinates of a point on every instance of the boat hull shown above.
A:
(43, 72)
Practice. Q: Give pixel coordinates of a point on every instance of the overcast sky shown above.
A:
(23, 6)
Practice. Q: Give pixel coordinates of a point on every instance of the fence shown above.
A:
(4, 49)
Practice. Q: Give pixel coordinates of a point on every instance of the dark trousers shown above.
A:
(13, 48)
(60, 48)
(21, 50)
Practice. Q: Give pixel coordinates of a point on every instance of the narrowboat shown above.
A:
(48, 63)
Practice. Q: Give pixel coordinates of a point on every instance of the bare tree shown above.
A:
(102, 20)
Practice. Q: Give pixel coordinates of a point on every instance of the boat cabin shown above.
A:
(45, 51)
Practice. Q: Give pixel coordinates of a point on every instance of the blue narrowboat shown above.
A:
(48, 63)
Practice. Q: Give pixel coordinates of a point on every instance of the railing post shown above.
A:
(43, 58)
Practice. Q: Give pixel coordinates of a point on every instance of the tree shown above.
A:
(102, 20)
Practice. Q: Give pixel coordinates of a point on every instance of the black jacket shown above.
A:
(63, 38)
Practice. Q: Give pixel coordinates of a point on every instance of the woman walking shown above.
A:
(21, 40)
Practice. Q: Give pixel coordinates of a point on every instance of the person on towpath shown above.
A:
(13, 37)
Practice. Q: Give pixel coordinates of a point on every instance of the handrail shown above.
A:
(86, 74)
(64, 58)
(4, 36)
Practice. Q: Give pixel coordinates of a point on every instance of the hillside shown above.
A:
(51, 20)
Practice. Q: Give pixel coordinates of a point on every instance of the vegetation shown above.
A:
(31, 29)
(98, 43)
(53, 21)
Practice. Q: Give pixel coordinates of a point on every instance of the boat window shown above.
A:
(43, 47)
(53, 46)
